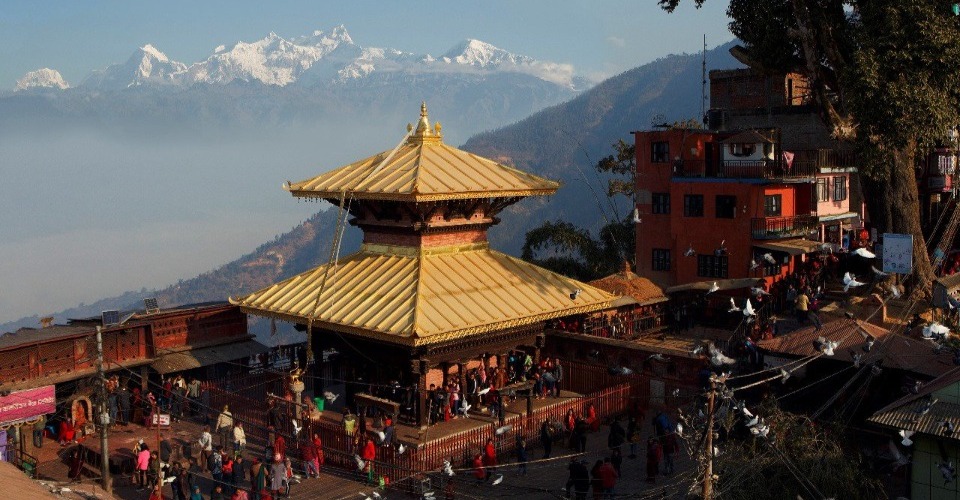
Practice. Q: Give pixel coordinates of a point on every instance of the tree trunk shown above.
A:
(895, 208)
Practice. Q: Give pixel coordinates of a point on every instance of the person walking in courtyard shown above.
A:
(206, 447)
(654, 455)
(225, 427)
(546, 438)
(522, 455)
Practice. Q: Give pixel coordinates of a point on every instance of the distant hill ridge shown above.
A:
(562, 142)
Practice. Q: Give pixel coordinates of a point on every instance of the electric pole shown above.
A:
(707, 493)
(103, 418)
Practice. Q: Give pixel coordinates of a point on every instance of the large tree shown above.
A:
(883, 74)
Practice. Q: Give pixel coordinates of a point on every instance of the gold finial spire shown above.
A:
(423, 132)
(423, 127)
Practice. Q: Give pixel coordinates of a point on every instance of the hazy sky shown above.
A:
(72, 229)
(600, 38)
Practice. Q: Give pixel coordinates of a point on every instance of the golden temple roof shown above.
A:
(419, 296)
(423, 168)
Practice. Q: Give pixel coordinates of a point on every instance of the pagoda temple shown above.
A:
(425, 297)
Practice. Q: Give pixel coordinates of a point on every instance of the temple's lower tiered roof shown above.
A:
(419, 296)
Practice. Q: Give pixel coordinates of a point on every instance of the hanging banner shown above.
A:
(897, 253)
(26, 405)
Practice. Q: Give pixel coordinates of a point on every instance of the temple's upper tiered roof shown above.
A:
(423, 168)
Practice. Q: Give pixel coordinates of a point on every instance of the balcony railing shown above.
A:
(764, 228)
(767, 169)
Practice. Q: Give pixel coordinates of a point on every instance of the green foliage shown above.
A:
(566, 249)
(751, 468)
(622, 163)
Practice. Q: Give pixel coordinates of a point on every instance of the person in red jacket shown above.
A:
(591, 418)
(368, 454)
(479, 472)
(490, 455)
(608, 477)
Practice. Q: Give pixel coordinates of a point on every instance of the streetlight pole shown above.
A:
(103, 419)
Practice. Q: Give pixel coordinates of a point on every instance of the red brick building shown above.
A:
(712, 204)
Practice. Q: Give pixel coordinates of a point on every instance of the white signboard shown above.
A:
(164, 419)
(897, 253)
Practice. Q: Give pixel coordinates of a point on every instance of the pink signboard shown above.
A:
(26, 405)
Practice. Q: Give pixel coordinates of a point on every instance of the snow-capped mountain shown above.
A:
(147, 66)
(42, 78)
(272, 60)
(316, 59)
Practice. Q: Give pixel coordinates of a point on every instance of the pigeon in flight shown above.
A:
(850, 281)
(935, 331)
(690, 252)
(761, 431)
(895, 291)
(769, 258)
(748, 309)
(905, 434)
(713, 288)
(863, 252)
(733, 306)
(329, 396)
(503, 430)
(879, 273)
(498, 480)
(759, 291)
(447, 468)
(401, 448)
(948, 471)
(784, 374)
(655, 356)
(946, 427)
(465, 408)
(753, 264)
(483, 391)
(718, 358)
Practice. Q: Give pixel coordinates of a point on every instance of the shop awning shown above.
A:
(797, 246)
(206, 356)
(835, 217)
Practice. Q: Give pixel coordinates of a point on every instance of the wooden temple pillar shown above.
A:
(462, 377)
(420, 368)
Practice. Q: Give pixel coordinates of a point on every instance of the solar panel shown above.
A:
(110, 317)
(150, 304)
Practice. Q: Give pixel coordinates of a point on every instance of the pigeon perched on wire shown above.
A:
(905, 434)
(690, 252)
(878, 273)
(769, 258)
(718, 358)
(748, 308)
(850, 281)
(733, 306)
(863, 252)
(713, 288)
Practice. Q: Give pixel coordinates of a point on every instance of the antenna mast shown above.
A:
(703, 81)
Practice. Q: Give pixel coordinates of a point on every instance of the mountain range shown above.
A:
(317, 59)
(561, 142)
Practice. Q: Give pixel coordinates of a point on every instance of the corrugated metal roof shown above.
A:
(903, 414)
(206, 356)
(417, 296)
(897, 351)
(423, 168)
